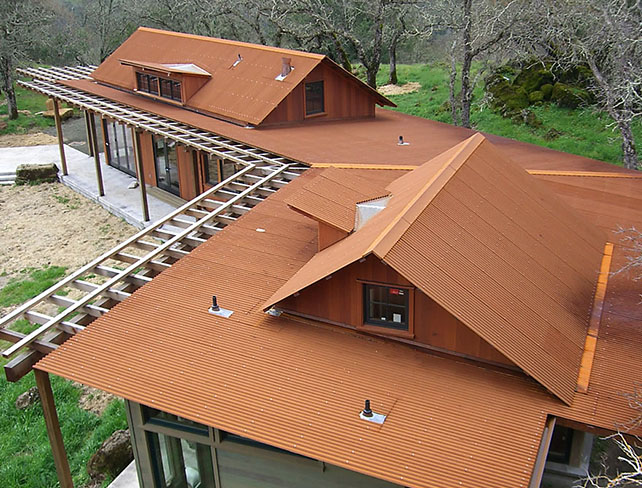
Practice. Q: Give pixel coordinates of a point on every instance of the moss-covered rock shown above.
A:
(532, 79)
(570, 96)
(36, 173)
(507, 98)
(547, 91)
(536, 97)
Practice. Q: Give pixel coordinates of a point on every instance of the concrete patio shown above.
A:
(119, 199)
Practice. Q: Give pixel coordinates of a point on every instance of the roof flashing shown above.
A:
(367, 210)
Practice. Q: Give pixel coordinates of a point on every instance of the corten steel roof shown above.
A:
(247, 92)
(494, 247)
(300, 387)
(362, 143)
(332, 197)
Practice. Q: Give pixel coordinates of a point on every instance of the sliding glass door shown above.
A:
(166, 161)
(120, 148)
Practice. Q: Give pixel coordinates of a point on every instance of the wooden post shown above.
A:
(90, 145)
(540, 461)
(94, 141)
(141, 174)
(61, 142)
(53, 429)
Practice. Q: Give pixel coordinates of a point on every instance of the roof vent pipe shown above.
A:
(215, 307)
(367, 412)
(286, 66)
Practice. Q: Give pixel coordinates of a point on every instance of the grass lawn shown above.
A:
(24, 446)
(585, 132)
(27, 100)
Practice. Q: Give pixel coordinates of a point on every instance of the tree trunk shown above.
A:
(451, 87)
(629, 153)
(392, 51)
(371, 75)
(7, 87)
(343, 55)
(466, 92)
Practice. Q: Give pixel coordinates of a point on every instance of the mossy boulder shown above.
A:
(507, 98)
(570, 96)
(547, 91)
(533, 78)
(580, 75)
(536, 96)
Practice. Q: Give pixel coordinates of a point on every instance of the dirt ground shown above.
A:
(410, 87)
(50, 224)
(34, 139)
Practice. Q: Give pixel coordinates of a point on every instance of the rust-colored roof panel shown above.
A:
(363, 142)
(300, 387)
(333, 195)
(246, 91)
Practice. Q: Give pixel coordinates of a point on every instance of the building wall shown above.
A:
(339, 300)
(343, 98)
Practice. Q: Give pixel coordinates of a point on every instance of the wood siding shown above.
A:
(328, 235)
(343, 98)
(339, 300)
(186, 173)
(147, 149)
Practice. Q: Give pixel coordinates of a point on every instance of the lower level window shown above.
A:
(386, 306)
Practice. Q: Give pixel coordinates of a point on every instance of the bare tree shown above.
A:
(352, 26)
(606, 35)
(20, 24)
(479, 29)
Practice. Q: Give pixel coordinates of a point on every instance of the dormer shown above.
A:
(175, 82)
(470, 256)
(339, 203)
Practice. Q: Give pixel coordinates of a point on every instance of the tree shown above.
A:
(21, 24)
(479, 28)
(605, 35)
(351, 26)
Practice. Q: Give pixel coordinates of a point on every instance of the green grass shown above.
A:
(585, 132)
(24, 446)
(20, 290)
(27, 100)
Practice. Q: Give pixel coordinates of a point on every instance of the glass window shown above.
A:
(314, 98)
(166, 88)
(157, 417)
(211, 170)
(386, 306)
(179, 463)
(561, 444)
(176, 91)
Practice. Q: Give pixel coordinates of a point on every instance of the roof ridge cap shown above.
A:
(379, 246)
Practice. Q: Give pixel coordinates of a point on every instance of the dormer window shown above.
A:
(314, 103)
(386, 306)
(155, 85)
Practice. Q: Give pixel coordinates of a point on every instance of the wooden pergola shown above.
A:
(102, 283)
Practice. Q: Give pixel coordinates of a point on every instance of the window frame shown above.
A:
(315, 113)
(160, 87)
(380, 327)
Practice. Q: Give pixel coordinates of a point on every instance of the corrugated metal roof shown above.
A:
(369, 142)
(332, 197)
(495, 248)
(247, 92)
(300, 387)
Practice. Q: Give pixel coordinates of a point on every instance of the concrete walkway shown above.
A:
(128, 478)
(119, 199)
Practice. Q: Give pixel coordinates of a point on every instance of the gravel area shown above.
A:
(33, 139)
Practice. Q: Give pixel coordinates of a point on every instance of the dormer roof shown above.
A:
(493, 246)
(332, 198)
(243, 85)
